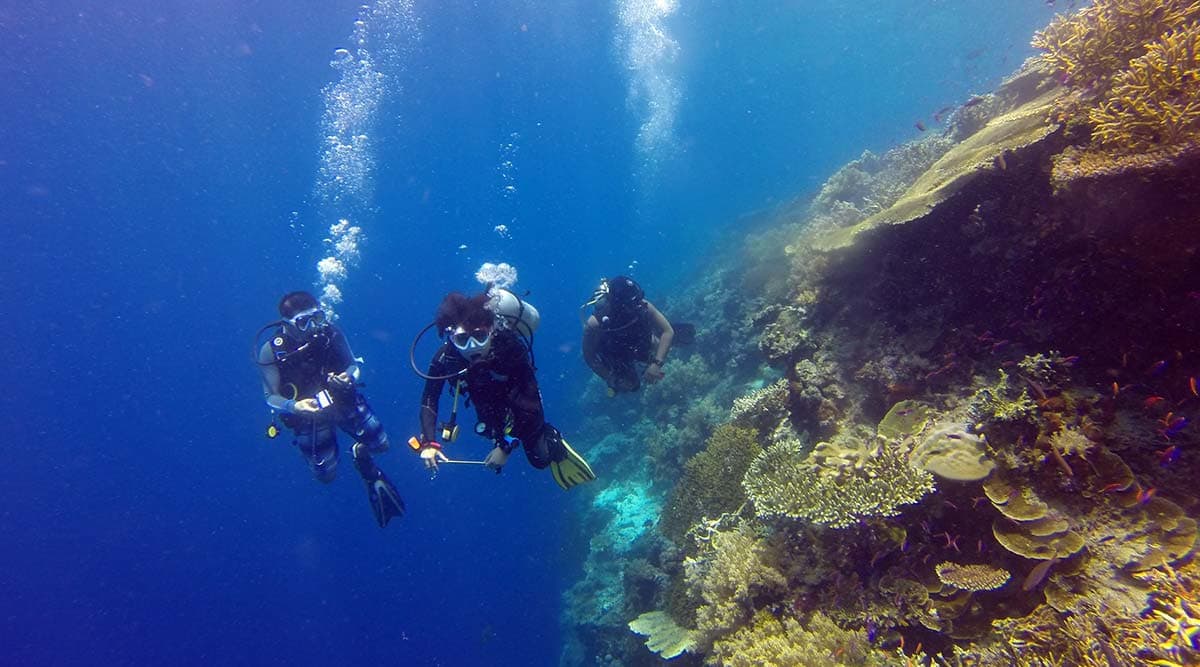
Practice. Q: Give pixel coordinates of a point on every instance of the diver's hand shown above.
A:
(307, 406)
(653, 373)
(431, 455)
(341, 380)
(496, 459)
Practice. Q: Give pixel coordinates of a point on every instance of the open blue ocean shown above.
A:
(169, 169)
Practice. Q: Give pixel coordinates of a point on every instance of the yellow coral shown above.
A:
(710, 482)
(782, 483)
(663, 635)
(1156, 101)
(726, 578)
(1093, 44)
(972, 577)
(769, 642)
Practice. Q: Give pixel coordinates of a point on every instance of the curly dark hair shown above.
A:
(295, 302)
(469, 312)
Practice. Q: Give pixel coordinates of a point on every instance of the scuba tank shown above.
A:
(515, 312)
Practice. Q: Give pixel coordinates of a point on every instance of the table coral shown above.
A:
(972, 577)
(782, 483)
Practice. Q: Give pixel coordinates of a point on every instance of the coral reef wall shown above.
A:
(942, 413)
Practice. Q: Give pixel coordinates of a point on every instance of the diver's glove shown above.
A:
(496, 459)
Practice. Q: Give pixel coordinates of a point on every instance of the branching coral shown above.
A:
(782, 483)
(1156, 101)
(1001, 403)
(768, 642)
(1093, 44)
(711, 480)
(767, 403)
(737, 567)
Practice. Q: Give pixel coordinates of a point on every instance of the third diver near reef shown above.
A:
(626, 339)
(310, 377)
(488, 357)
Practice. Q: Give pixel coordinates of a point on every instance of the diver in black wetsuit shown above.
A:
(489, 358)
(310, 376)
(626, 339)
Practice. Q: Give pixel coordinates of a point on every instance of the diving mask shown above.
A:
(308, 319)
(471, 344)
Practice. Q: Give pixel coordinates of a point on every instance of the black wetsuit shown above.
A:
(620, 342)
(303, 367)
(503, 387)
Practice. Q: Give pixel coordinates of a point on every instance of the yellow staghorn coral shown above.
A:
(1090, 46)
(781, 482)
(1156, 100)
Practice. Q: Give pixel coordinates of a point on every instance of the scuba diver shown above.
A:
(488, 357)
(626, 339)
(310, 377)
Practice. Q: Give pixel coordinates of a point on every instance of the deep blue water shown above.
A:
(157, 168)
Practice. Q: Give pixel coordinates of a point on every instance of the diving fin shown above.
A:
(572, 469)
(384, 498)
(685, 334)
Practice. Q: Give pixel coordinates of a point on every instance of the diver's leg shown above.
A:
(318, 444)
(365, 427)
(530, 427)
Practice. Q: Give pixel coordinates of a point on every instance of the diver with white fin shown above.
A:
(310, 377)
(488, 356)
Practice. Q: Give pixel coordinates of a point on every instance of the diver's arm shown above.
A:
(431, 396)
(342, 349)
(666, 333)
(591, 347)
(270, 381)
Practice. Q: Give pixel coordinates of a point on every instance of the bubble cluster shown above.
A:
(502, 275)
(502, 230)
(507, 167)
(345, 177)
(649, 54)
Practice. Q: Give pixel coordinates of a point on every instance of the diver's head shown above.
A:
(468, 323)
(624, 294)
(303, 312)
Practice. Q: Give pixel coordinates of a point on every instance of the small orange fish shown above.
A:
(1145, 495)
(1116, 389)
(1115, 486)
(1192, 385)
(1152, 401)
